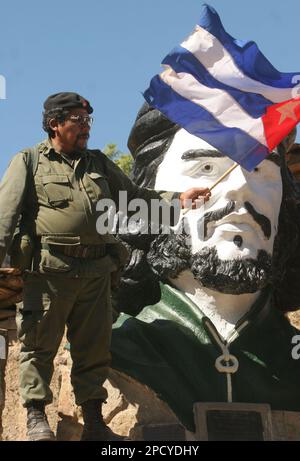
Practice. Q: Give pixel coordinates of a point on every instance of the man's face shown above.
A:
(73, 133)
(241, 217)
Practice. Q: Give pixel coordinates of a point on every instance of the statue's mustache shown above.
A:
(216, 215)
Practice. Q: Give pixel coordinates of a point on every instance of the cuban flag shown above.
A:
(226, 92)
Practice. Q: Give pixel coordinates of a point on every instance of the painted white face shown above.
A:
(191, 162)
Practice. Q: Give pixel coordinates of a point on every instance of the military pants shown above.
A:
(82, 304)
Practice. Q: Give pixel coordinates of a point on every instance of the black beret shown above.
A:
(67, 101)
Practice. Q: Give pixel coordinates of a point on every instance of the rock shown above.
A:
(129, 406)
(286, 425)
(66, 402)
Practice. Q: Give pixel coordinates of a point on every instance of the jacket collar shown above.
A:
(46, 148)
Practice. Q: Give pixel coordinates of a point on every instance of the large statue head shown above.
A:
(245, 237)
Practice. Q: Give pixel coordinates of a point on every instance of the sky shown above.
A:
(108, 50)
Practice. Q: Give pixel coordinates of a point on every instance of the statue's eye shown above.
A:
(207, 168)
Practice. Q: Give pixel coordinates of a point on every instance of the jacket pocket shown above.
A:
(99, 185)
(53, 262)
(57, 188)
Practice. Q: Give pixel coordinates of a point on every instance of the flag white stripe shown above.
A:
(218, 102)
(219, 63)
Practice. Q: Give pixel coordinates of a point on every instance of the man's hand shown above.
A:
(193, 195)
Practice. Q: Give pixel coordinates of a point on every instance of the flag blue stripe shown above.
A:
(246, 55)
(233, 142)
(182, 60)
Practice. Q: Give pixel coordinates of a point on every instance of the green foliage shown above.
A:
(124, 161)
(111, 150)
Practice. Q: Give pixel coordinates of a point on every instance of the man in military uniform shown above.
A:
(51, 193)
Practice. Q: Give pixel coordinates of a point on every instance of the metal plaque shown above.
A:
(233, 421)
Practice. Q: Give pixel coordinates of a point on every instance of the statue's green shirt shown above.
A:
(174, 349)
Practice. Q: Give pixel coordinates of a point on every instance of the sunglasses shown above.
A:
(81, 119)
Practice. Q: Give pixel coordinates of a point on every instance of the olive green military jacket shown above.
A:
(175, 349)
(59, 203)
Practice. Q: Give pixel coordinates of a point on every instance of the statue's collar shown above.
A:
(190, 313)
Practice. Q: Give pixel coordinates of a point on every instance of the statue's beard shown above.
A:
(170, 254)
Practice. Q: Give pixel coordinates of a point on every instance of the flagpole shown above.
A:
(227, 172)
(224, 175)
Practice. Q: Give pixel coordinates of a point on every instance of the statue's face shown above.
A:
(249, 223)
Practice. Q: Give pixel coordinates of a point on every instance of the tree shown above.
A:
(123, 160)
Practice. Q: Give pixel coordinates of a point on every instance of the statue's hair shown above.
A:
(149, 139)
